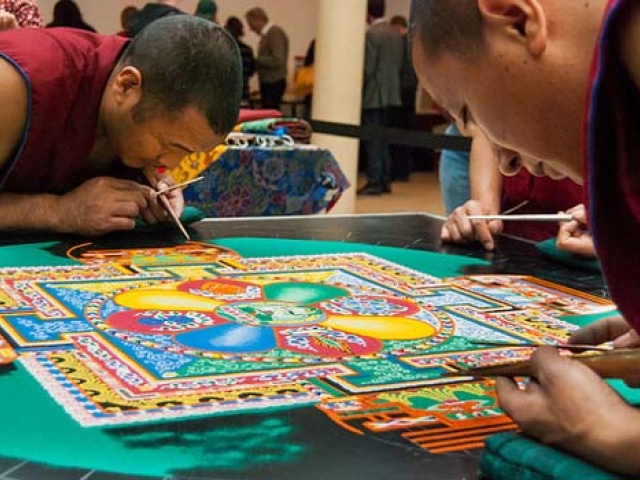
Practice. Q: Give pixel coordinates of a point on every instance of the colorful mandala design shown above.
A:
(223, 318)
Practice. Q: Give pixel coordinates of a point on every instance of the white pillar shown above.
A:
(337, 93)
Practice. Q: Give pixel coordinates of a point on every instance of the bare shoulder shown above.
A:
(13, 114)
(630, 41)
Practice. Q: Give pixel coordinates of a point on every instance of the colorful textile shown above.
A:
(27, 12)
(509, 456)
(296, 128)
(248, 114)
(613, 148)
(192, 165)
(242, 182)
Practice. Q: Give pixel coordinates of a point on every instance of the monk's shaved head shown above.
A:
(447, 26)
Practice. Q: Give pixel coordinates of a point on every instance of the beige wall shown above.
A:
(297, 17)
(398, 7)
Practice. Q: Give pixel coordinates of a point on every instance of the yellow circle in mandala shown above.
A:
(382, 328)
(165, 300)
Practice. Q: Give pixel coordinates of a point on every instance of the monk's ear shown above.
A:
(524, 20)
(127, 84)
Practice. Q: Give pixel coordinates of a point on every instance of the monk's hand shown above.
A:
(8, 20)
(458, 228)
(611, 329)
(574, 236)
(156, 210)
(101, 205)
(569, 406)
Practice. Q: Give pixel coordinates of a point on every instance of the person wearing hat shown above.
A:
(208, 10)
(151, 12)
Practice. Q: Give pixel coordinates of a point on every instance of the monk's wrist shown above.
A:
(616, 445)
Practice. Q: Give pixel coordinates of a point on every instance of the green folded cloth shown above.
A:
(189, 215)
(548, 248)
(509, 456)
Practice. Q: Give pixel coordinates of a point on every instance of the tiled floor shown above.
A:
(420, 194)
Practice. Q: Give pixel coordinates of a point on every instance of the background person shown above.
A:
(271, 59)
(235, 27)
(207, 9)
(385, 50)
(66, 13)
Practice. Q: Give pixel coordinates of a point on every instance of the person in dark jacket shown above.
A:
(67, 14)
(236, 28)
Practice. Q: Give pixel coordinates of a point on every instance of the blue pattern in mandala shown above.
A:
(162, 341)
(35, 330)
(109, 308)
(76, 299)
(159, 362)
(469, 329)
(229, 338)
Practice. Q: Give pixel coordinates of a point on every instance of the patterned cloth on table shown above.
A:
(262, 181)
(296, 128)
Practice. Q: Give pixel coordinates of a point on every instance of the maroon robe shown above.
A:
(544, 196)
(66, 72)
(612, 154)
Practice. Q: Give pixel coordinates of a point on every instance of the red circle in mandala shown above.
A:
(324, 342)
(160, 322)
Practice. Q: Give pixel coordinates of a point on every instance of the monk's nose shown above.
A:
(510, 162)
